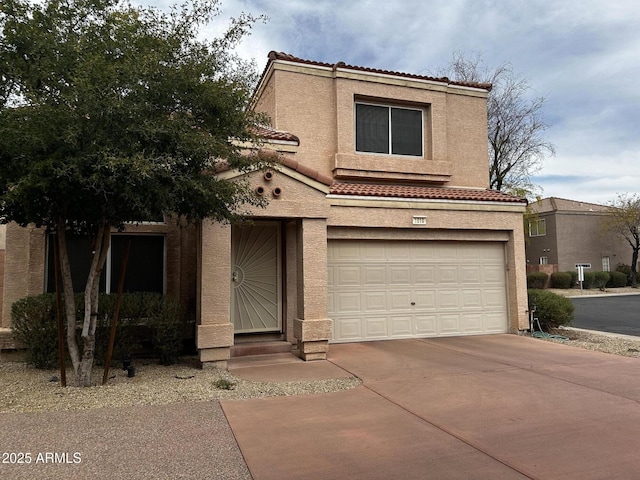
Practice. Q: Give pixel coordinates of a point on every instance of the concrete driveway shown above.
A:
(487, 407)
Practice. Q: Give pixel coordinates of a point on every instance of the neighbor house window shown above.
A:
(606, 264)
(388, 130)
(544, 261)
(145, 265)
(537, 228)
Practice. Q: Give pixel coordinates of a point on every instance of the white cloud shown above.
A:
(580, 54)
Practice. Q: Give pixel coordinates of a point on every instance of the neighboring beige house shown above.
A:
(568, 233)
(379, 223)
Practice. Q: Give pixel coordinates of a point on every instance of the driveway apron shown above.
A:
(498, 406)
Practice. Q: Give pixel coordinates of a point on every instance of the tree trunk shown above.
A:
(83, 362)
(634, 272)
(69, 302)
(102, 242)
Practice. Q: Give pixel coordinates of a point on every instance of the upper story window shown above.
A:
(537, 228)
(388, 130)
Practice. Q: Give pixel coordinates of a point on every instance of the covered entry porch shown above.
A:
(266, 278)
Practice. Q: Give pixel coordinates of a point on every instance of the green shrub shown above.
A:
(167, 327)
(601, 279)
(33, 321)
(551, 309)
(589, 280)
(574, 277)
(537, 280)
(144, 317)
(617, 280)
(626, 269)
(560, 280)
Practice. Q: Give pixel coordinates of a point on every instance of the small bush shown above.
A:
(168, 332)
(626, 269)
(601, 279)
(589, 280)
(552, 309)
(537, 280)
(617, 280)
(560, 280)
(144, 317)
(574, 277)
(33, 321)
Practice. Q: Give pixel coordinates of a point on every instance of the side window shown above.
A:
(388, 130)
(537, 228)
(145, 266)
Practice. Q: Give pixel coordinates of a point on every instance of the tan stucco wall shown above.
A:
(25, 263)
(317, 105)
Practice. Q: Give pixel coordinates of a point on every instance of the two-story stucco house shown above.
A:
(380, 224)
(567, 233)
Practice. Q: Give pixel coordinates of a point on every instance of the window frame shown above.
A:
(108, 267)
(390, 108)
(537, 224)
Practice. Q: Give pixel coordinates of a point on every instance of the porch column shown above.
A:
(312, 328)
(214, 333)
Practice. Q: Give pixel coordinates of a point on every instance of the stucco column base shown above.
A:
(317, 350)
(313, 337)
(214, 335)
(214, 357)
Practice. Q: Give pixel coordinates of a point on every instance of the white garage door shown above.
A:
(400, 289)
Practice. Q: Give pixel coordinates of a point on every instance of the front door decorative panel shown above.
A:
(255, 278)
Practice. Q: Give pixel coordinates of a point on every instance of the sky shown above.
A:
(583, 56)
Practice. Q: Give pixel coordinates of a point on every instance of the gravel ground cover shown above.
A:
(26, 389)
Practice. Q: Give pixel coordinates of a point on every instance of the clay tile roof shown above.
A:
(269, 133)
(431, 193)
(273, 55)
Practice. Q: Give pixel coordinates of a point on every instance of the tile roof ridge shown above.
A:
(423, 192)
(273, 55)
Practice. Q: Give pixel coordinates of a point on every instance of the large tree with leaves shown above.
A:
(112, 113)
(516, 126)
(624, 221)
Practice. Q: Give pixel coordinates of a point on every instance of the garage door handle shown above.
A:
(413, 303)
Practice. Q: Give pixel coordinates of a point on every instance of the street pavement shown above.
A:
(613, 314)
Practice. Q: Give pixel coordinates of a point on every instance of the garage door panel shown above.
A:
(372, 251)
(494, 298)
(471, 299)
(449, 323)
(375, 301)
(448, 299)
(472, 323)
(400, 289)
(347, 302)
(399, 274)
(423, 252)
(426, 325)
(493, 274)
(376, 328)
(347, 329)
(471, 274)
(374, 275)
(423, 275)
(347, 276)
(400, 326)
(495, 322)
(425, 299)
(469, 253)
(399, 300)
(447, 274)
